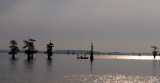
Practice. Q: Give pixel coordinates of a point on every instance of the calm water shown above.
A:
(68, 69)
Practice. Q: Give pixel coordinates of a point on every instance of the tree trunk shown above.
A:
(49, 57)
(13, 57)
(154, 56)
(91, 56)
(28, 57)
(31, 56)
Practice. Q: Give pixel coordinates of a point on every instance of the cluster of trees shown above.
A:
(29, 48)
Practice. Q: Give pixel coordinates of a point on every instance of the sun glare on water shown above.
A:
(128, 57)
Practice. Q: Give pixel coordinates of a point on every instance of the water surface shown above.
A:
(68, 69)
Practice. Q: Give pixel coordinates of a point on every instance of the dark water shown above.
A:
(68, 69)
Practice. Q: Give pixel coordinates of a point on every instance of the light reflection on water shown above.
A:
(68, 69)
(92, 78)
(128, 57)
(109, 78)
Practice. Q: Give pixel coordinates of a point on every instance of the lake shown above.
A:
(68, 69)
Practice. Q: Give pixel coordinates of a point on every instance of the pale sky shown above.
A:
(112, 25)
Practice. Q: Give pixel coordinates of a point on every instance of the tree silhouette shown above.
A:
(49, 50)
(14, 48)
(154, 52)
(91, 52)
(29, 44)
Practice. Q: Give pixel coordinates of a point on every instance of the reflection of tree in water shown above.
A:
(91, 69)
(159, 66)
(29, 64)
(49, 65)
(155, 67)
(13, 62)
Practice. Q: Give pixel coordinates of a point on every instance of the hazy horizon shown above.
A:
(115, 26)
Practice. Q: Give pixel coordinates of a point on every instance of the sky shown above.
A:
(112, 25)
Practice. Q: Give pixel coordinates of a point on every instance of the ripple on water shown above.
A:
(107, 79)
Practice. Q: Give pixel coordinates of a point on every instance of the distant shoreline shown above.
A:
(73, 52)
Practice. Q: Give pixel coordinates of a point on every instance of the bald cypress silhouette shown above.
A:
(14, 48)
(91, 52)
(154, 52)
(30, 48)
(49, 50)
